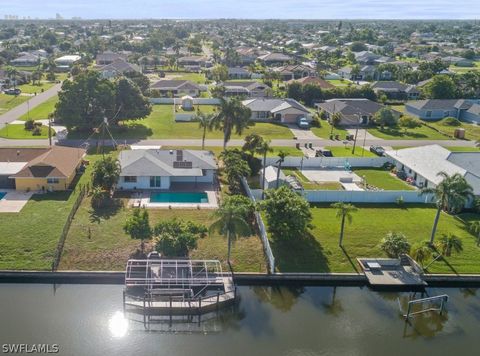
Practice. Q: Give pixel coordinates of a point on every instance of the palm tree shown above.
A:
(451, 193)
(281, 159)
(421, 252)
(450, 243)
(344, 211)
(232, 117)
(12, 74)
(205, 122)
(263, 148)
(231, 224)
(474, 228)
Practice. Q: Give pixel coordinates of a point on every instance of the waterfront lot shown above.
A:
(320, 252)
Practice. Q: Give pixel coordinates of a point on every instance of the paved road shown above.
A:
(23, 108)
(219, 142)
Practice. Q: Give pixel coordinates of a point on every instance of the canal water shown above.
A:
(88, 320)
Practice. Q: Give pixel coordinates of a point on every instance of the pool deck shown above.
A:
(142, 199)
(14, 201)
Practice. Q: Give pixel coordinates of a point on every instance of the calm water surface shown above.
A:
(88, 320)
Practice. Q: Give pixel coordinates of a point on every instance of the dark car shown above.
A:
(323, 153)
(15, 91)
(378, 150)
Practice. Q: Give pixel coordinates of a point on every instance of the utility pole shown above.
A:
(50, 131)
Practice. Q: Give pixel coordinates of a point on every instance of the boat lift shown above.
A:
(442, 299)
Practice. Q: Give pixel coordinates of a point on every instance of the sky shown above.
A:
(246, 9)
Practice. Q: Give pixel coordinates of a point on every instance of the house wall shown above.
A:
(436, 114)
(143, 182)
(39, 183)
(207, 178)
(470, 117)
(419, 180)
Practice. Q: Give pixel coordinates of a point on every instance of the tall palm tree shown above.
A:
(450, 243)
(263, 148)
(12, 74)
(281, 159)
(451, 194)
(233, 116)
(231, 224)
(344, 211)
(205, 122)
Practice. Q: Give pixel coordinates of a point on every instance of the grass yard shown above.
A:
(326, 129)
(41, 111)
(109, 247)
(382, 179)
(309, 185)
(8, 102)
(463, 149)
(342, 151)
(32, 89)
(14, 131)
(217, 150)
(420, 133)
(339, 82)
(320, 252)
(198, 78)
(160, 124)
(472, 132)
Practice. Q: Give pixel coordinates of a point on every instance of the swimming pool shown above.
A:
(2, 194)
(179, 197)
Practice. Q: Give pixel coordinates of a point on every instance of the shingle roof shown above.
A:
(348, 107)
(175, 85)
(313, 80)
(273, 105)
(440, 104)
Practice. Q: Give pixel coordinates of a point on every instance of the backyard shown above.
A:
(309, 185)
(319, 252)
(382, 179)
(346, 151)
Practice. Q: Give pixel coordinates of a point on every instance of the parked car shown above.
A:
(303, 123)
(323, 153)
(378, 150)
(15, 91)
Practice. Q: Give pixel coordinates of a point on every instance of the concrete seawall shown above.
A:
(327, 279)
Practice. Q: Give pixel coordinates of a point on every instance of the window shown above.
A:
(155, 182)
(52, 180)
(429, 114)
(130, 179)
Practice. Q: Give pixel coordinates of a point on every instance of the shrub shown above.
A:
(385, 117)
(37, 131)
(395, 244)
(451, 121)
(409, 122)
(175, 238)
(29, 124)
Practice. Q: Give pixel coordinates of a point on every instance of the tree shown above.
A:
(175, 238)
(409, 122)
(385, 117)
(205, 122)
(281, 159)
(451, 194)
(358, 46)
(474, 228)
(130, 104)
(230, 223)
(220, 73)
(287, 213)
(335, 119)
(233, 117)
(263, 148)
(421, 252)
(12, 74)
(295, 91)
(440, 87)
(344, 212)
(138, 226)
(450, 243)
(395, 244)
(105, 173)
(235, 168)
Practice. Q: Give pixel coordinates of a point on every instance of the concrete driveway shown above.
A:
(302, 134)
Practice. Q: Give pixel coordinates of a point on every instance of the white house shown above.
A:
(159, 169)
(282, 110)
(66, 62)
(423, 164)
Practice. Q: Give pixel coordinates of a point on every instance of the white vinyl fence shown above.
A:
(382, 197)
(263, 232)
(178, 101)
(328, 162)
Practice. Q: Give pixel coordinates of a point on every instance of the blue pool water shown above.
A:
(2, 194)
(179, 197)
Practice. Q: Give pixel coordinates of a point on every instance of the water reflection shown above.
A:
(118, 325)
(282, 298)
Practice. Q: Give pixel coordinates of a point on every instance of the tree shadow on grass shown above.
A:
(352, 263)
(304, 254)
(108, 209)
(52, 196)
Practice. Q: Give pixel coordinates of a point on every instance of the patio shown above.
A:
(14, 201)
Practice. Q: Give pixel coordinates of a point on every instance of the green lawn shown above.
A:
(382, 179)
(109, 247)
(326, 129)
(320, 252)
(342, 151)
(8, 102)
(472, 132)
(420, 133)
(32, 89)
(41, 111)
(309, 185)
(14, 131)
(339, 82)
(160, 124)
(463, 149)
(193, 77)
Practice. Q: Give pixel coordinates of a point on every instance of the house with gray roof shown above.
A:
(117, 68)
(281, 110)
(396, 90)
(352, 110)
(177, 88)
(239, 73)
(274, 58)
(159, 169)
(423, 164)
(436, 109)
(249, 89)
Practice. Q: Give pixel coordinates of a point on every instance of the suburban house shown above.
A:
(106, 58)
(248, 55)
(117, 68)
(436, 109)
(274, 58)
(177, 88)
(160, 169)
(282, 110)
(247, 88)
(39, 169)
(67, 62)
(239, 73)
(352, 110)
(295, 71)
(422, 164)
(313, 81)
(27, 60)
(396, 90)
(194, 63)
